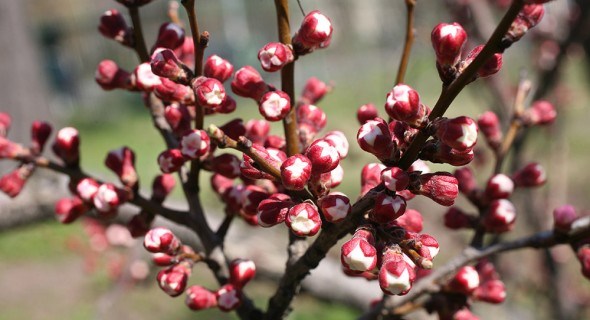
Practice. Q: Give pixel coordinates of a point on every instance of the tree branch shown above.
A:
(403, 64)
(139, 42)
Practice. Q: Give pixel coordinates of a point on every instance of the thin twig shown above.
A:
(139, 42)
(403, 64)
(301, 7)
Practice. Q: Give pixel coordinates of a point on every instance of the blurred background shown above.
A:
(48, 54)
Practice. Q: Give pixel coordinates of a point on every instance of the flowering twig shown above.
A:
(139, 42)
(403, 64)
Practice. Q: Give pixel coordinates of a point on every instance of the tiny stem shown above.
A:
(189, 6)
(403, 64)
(139, 42)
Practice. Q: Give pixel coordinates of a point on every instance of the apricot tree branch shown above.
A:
(403, 64)
(138, 40)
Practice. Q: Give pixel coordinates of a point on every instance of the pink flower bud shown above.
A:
(40, 131)
(241, 272)
(464, 314)
(248, 83)
(315, 30)
(195, 144)
(274, 105)
(170, 36)
(374, 137)
(109, 76)
(371, 173)
(358, 254)
(172, 280)
(563, 217)
(465, 281)
(426, 246)
(411, 220)
(250, 198)
(67, 145)
(229, 298)
(5, 121)
(467, 183)
(162, 186)
(527, 18)
(455, 219)
(395, 179)
(145, 79)
(311, 115)
(403, 104)
(323, 157)
(86, 189)
(169, 90)
(274, 56)
(113, 26)
(492, 66)
(107, 199)
(335, 206)
(532, 175)
(164, 63)
(489, 124)
(333, 178)
(234, 129)
(338, 140)
(491, 291)
(209, 93)
(366, 112)
(540, 113)
(304, 220)
(387, 208)
(500, 217)
(170, 160)
(395, 275)
(227, 165)
(67, 210)
(314, 91)
(499, 186)
(229, 105)
(199, 298)
(295, 172)
(163, 260)
(274, 141)
(438, 152)
(273, 210)
(217, 68)
(122, 162)
(459, 133)
(232, 197)
(441, 187)
(161, 240)
(220, 184)
(448, 41)
(583, 255)
(140, 224)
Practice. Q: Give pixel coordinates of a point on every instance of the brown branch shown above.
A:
(403, 64)
(189, 6)
(448, 94)
(139, 42)
(432, 282)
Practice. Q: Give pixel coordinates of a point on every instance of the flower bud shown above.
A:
(411, 220)
(532, 175)
(178, 117)
(338, 140)
(583, 255)
(195, 144)
(109, 76)
(540, 113)
(170, 36)
(563, 217)
(257, 131)
(455, 219)
(491, 291)
(323, 157)
(448, 41)
(371, 176)
(40, 132)
(442, 187)
(403, 104)
(500, 217)
(492, 66)
(499, 186)
(67, 146)
(387, 208)
(229, 297)
(199, 298)
(438, 152)
(295, 172)
(163, 260)
(465, 281)
(107, 199)
(170, 160)
(209, 93)
(304, 220)
(395, 275)
(86, 189)
(220, 184)
(315, 31)
(161, 240)
(234, 128)
(241, 271)
(366, 112)
(527, 18)
(274, 105)
(122, 162)
(250, 198)
(145, 79)
(226, 164)
(467, 183)
(248, 83)
(333, 178)
(335, 206)
(164, 63)
(162, 186)
(311, 115)
(273, 210)
(140, 224)
(374, 137)
(489, 124)
(172, 280)
(395, 179)
(274, 56)
(314, 91)
(113, 26)
(217, 68)
(169, 90)
(358, 254)
(459, 133)
(228, 105)
(67, 210)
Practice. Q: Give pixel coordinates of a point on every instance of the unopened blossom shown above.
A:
(218, 68)
(274, 105)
